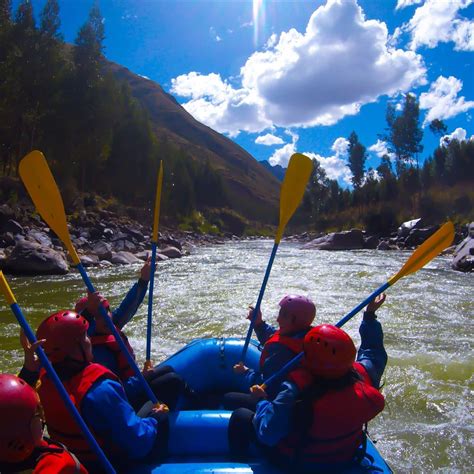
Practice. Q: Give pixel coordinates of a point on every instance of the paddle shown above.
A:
(38, 180)
(292, 190)
(428, 250)
(16, 310)
(154, 244)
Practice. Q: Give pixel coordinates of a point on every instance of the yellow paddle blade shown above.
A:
(38, 180)
(292, 189)
(428, 250)
(7, 292)
(156, 215)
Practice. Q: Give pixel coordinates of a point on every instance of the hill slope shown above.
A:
(253, 190)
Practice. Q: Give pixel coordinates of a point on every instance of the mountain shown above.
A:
(277, 170)
(252, 189)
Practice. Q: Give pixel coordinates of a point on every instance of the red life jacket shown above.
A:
(338, 417)
(61, 425)
(55, 457)
(294, 344)
(108, 341)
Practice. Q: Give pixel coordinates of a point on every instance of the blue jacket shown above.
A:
(278, 355)
(107, 412)
(121, 316)
(272, 418)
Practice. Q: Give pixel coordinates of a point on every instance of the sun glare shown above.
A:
(258, 19)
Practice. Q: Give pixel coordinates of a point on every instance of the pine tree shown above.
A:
(357, 158)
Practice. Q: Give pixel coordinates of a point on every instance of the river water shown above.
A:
(427, 424)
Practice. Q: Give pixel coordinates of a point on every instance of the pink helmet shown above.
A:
(61, 330)
(301, 307)
(18, 405)
(81, 305)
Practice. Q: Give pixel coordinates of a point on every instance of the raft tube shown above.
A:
(198, 440)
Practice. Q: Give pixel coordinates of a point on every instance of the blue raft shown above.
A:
(198, 438)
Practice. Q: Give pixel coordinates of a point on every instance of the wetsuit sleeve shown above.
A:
(107, 411)
(372, 354)
(272, 419)
(28, 376)
(253, 377)
(129, 306)
(263, 332)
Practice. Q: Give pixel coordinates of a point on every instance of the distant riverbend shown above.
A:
(427, 319)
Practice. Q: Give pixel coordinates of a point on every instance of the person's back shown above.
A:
(97, 394)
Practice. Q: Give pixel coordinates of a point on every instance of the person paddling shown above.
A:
(22, 443)
(295, 317)
(165, 383)
(99, 397)
(315, 423)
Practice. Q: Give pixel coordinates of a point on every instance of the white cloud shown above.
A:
(269, 140)
(438, 21)
(459, 134)
(339, 63)
(335, 165)
(380, 149)
(442, 101)
(214, 35)
(406, 3)
(283, 154)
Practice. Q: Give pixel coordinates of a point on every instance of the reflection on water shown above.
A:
(427, 319)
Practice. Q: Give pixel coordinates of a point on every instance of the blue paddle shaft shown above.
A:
(362, 305)
(293, 362)
(259, 302)
(113, 330)
(60, 388)
(150, 301)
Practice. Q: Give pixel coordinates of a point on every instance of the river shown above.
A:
(427, 319)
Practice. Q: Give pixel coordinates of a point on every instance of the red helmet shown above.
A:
(329, 351)
(81, 305)
(18, 405)
(61, 331)
(301, 307)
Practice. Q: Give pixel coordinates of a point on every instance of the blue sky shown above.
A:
(285, 76)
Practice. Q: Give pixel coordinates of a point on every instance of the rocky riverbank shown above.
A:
(100, 237)
(103, 238)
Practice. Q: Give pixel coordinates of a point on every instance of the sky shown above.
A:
(279, 77)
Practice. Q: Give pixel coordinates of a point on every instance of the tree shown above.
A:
(357, 158)
(404, 132)
(438, 127)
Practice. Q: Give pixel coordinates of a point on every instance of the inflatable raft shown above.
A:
(198, 438)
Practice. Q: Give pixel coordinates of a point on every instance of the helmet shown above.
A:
(61, 330)
(301, 307)
(329, 351)
(18, 405)
(81, 305)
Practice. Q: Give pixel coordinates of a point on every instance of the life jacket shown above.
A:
(61, 425)
(338, 418)
(55, 457)
(294, 344)
(108, 341)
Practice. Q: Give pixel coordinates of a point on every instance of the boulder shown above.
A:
(7, 240)
(348, 240)
(371, 242)
(124, 258)
(171, 252)
(103, 250)
(12, 226)
(417, 236)
(40, 237)
(29, 258)
(463, 257)
(90, 260)
(407, 226)
(3, 258)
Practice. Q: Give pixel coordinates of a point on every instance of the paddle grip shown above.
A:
(150, 301)
(119, 340)
(60, 388)
(259, 302)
